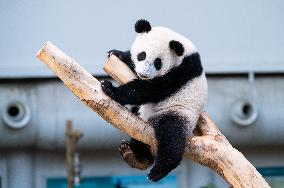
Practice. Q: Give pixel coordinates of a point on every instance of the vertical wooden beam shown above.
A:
(69, 154)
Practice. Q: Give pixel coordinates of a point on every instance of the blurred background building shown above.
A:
(242, 48)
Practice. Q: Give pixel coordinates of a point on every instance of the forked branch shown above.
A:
(209, 147)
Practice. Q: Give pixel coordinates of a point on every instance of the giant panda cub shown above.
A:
(171, 90)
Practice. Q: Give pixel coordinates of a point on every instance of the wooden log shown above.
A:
(209, 147)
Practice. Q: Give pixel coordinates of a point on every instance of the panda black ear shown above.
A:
(177, 47)
(142, 26)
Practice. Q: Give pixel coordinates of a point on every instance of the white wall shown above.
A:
(231, 35)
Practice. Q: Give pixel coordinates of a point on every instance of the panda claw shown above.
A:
(108, 88)
(157, 173)
(106, 83)
(116, 53)
(124, 147)
(109, 54)
(154, 178)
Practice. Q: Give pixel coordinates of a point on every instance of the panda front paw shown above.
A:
(117, 53)
(109, 89)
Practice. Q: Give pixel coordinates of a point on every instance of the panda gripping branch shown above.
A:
(171, 90)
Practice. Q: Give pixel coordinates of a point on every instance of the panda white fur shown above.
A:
(171, 90)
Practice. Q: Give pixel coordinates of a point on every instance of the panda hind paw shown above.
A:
(124, 147)
(156, 174)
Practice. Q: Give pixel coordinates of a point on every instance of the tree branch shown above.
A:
(209, 147)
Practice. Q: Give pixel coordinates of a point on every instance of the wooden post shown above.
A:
(208, 147)
(71, 138)
(69, 154)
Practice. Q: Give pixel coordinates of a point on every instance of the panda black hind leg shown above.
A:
(136, 154)
(170, 132)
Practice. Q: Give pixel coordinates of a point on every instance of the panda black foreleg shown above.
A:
(130, 93)
(170, 132)
(136, 154)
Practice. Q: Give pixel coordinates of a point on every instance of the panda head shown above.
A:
(156, 50)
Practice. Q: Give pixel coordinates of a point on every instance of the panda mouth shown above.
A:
(143, 76)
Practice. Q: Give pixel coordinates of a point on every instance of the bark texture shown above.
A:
(208, 147)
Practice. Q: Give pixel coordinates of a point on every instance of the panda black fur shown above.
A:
(171, 90)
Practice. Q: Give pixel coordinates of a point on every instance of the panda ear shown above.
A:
(142, 26)
(177, 47)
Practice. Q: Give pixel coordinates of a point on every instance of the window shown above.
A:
(273, 176)
(115, 182)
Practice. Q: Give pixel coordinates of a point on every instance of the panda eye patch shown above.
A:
(158, 63)
(141, 56)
